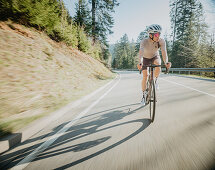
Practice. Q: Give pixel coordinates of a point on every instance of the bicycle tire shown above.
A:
(152, 105)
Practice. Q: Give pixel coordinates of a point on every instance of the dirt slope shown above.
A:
(38, 75)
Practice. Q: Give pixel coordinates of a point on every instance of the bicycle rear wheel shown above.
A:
(152, 101)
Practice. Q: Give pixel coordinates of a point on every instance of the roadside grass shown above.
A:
(9, 127)
(39, 76)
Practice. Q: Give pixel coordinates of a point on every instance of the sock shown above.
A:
(144, 92)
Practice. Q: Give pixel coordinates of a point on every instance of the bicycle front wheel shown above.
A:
(152, 102)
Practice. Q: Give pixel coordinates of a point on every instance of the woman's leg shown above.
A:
(157, 61)
(144, 79)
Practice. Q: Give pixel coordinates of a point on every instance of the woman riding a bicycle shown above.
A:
(149, 54)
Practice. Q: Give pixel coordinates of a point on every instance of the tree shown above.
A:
(102, 21)
(188, 21)
(168, 45)
(82, 17)
(142, 35)
(97, 25)
(124, 54)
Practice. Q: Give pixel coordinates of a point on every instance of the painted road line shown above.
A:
(25, 162)
(188, 87)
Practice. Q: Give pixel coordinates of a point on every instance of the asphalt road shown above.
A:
(112, 130)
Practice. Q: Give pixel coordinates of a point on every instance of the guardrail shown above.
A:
(180, 70)
(189, 70)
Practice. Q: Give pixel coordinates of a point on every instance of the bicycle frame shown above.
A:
(149, 83)
(151, 91)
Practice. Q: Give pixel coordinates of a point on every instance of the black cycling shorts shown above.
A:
(147, 61)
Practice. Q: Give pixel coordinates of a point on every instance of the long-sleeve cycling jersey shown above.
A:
(149, 49)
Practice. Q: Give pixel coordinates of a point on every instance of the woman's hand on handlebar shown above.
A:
(168, 65)
(139, 66)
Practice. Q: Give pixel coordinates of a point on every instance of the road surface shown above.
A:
(112, 130)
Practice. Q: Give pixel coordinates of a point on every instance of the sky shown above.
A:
(132, 16)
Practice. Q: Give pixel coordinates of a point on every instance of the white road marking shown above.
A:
(25, 162)
(189, 87)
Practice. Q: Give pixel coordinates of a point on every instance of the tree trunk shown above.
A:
(94, 20)
(175, 22)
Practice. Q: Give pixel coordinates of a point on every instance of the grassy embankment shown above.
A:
(38, 76)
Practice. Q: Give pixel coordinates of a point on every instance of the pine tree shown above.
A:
(142, 35)
(82, 17)
(168, 46)
(133, 55)
(50, 16)
(124, 54)
(102, 21)
(188, 22)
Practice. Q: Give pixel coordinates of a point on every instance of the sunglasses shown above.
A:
(156, 34)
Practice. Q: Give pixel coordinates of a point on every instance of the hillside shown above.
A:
(39, 75)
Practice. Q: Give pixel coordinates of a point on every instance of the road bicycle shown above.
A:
(151, 90)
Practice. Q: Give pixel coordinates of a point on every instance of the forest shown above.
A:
(86, 31)
(189, 44)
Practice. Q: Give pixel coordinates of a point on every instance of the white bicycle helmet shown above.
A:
(154, 28)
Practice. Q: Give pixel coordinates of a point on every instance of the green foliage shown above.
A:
(96, 51)
(114, 64)
(47, 15)
(206, 53)
(189, 33)
(106, 53)
(83, 42)
(82, 17)
(142, 35)
(102, 21)
(52, 17)
(124, 54)
(5, 9)
(70, 35)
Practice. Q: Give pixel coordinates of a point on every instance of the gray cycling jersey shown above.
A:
(149, 49)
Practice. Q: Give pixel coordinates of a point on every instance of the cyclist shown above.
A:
(149, 53)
